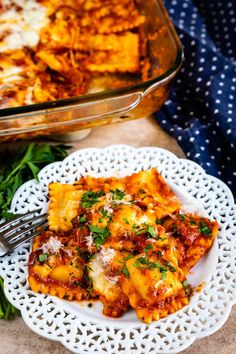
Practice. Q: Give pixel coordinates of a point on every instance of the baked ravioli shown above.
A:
(53, 49)
(124, 241)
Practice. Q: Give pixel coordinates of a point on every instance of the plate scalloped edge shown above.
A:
(169, 335)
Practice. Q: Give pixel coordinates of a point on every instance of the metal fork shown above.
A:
(23, 228)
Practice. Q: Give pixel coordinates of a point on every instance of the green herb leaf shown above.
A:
(125, 271)
(118, 194)
(83, 219)
(142, 260)
(43, 257)
(151, 231)
(90, 198)
(161, 238)
(204, 229)
(104, 213)
(186, 287)
(22, 165)
(16, 168)
(192, 222)
(158, 221)
(172, 269)
(164, 275)
(182, 216)
(97, 229)
(128, 257)
(126, 221)
(148, 247)
(99, 234)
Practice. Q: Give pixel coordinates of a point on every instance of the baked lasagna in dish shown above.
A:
(53, 49)
(125, 241)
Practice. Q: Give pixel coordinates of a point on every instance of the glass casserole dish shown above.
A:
(132, 101)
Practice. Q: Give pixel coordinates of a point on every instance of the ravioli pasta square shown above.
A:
(125, 241)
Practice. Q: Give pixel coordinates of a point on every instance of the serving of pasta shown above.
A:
(128, 242)
(52, 49)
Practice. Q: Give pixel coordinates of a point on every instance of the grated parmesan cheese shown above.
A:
(106, 255)
(53, 245)
(89, 240)
(112, 280)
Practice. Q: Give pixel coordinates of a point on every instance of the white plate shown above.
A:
(86, 330)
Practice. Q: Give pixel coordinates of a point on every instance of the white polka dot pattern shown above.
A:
(81, 331)
(201, 109)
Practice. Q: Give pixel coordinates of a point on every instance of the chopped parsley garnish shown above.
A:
(83, 219)
(171, 268)
(192, 221)
(140, 231)
(144, 228)
(158, 221)
(148, 247)
(118, 194)
(182, 216)
(151, 231)
(125, 271)
(104, 212)
(161, 238)
(204, 229)
(99, 234)
(43, 257)
(142, 260)
(128, 257)
(186, 287)
(126, 221)
(144, 263)
(96, 229)
(90, 198)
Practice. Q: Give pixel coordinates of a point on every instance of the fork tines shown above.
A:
(24, 227)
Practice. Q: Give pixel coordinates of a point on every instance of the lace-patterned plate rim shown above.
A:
(206, 314)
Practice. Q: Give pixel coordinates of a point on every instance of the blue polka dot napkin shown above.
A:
(201, 110)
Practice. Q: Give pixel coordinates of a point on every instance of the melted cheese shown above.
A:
(22, 21)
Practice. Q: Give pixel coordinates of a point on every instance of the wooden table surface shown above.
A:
(16, 337)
